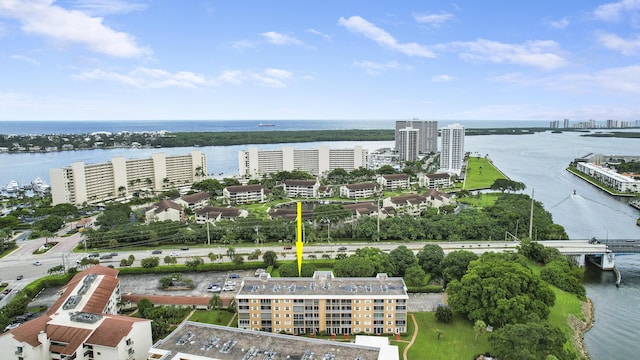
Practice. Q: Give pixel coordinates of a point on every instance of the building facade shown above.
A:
(323, 303)
(254, 163)
(452, 154)
(120, 178)
(82, 324)
(610, 177)
(391, 182)
(409, 144)
(243, 194)
(428, 133)
(360, 190)
(301, 188)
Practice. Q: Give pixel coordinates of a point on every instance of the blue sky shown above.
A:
(330, 59)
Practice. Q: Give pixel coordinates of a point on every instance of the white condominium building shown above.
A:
(323, 303)
(428, 131)
(255, 163)
(452, 154)
(409, 144)
(119, 177)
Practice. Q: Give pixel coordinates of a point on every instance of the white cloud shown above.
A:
(620, 81)
(45, 19)
(375, 68)
(361, 26)
(615, 11)
(276, 38)
(559, 24)
(108, 7)
(435, 20)
(319, 33)
(146, 78)
(442, 78)
(243, 44)
(614, 42)
(537, 53)
(25, 58)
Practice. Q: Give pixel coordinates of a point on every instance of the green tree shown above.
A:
(269, 257)
(354, 266)
(290, 269)
(144, 307)
(238, 259)
(500, 290)
(444, 314)
(150, 262)
(231, 253)
(429, 258)
(50, 223)
(455, 264)
(414, 276)
(381, 261)
(58, 269)
(170, 260)
(479, 328)
(402, 258)
(530, 341)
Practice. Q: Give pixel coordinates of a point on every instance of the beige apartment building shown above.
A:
(254, 163)
(120, 178)
(323, 303)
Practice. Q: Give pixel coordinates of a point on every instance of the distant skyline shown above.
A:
(282, 60)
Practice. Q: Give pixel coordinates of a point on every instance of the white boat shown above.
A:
(266, 124)
(12, 186)
(40, 186)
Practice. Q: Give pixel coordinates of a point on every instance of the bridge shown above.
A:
(600, 252)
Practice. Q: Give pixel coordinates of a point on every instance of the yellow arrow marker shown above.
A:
(299, 243)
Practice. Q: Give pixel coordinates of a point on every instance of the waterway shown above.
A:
(538, 160)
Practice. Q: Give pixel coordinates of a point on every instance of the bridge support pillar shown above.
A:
(604, 261)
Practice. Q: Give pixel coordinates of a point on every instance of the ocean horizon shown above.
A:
(53, 127)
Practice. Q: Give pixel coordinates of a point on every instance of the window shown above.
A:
(276, 315)
(277, 308)
(254, 315)
(357, 308)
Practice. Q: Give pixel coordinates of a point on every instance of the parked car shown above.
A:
(214, 288)
(156, 252)
(228, 288)
(234, 276)
(37, 263)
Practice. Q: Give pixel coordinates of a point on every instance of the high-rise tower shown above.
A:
(452, 154)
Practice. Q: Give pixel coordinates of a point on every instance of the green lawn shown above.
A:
(480, 174)
(217, 317)
(482, 201)
(456, 342)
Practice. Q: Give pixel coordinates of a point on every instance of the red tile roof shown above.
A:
(112, 330)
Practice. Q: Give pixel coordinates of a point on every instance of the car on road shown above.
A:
(37, 263)
(114, 254)
(288, 247)
(94, 255)
(184, 248)
(174, 253)
(19, 277)
(105, 257)
(342, 248)
(156, 252)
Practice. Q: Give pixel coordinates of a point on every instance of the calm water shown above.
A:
(537, 160)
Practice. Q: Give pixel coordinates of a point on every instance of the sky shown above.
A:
(329, 59)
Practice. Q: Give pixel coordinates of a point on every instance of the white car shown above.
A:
(175, 253)
(37, 263)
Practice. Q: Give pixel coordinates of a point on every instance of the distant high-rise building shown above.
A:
(428, 134)
(452, 154)
(256, 163)
(566, 124)
(409, 144)
(554, 124)
(119, 177)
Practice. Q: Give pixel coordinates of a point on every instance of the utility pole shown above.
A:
(531, 216)
(208, 235)
(257, 235)
(378, 220)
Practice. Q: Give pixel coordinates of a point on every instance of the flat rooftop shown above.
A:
(323, 284)
(227, 343)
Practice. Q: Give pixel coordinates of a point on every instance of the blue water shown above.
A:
(86, 127)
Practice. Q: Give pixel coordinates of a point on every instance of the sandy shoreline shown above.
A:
(580, 327)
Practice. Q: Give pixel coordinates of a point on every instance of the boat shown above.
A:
(40, 186)
(635, 204)
(12, 186)
(266, 124)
